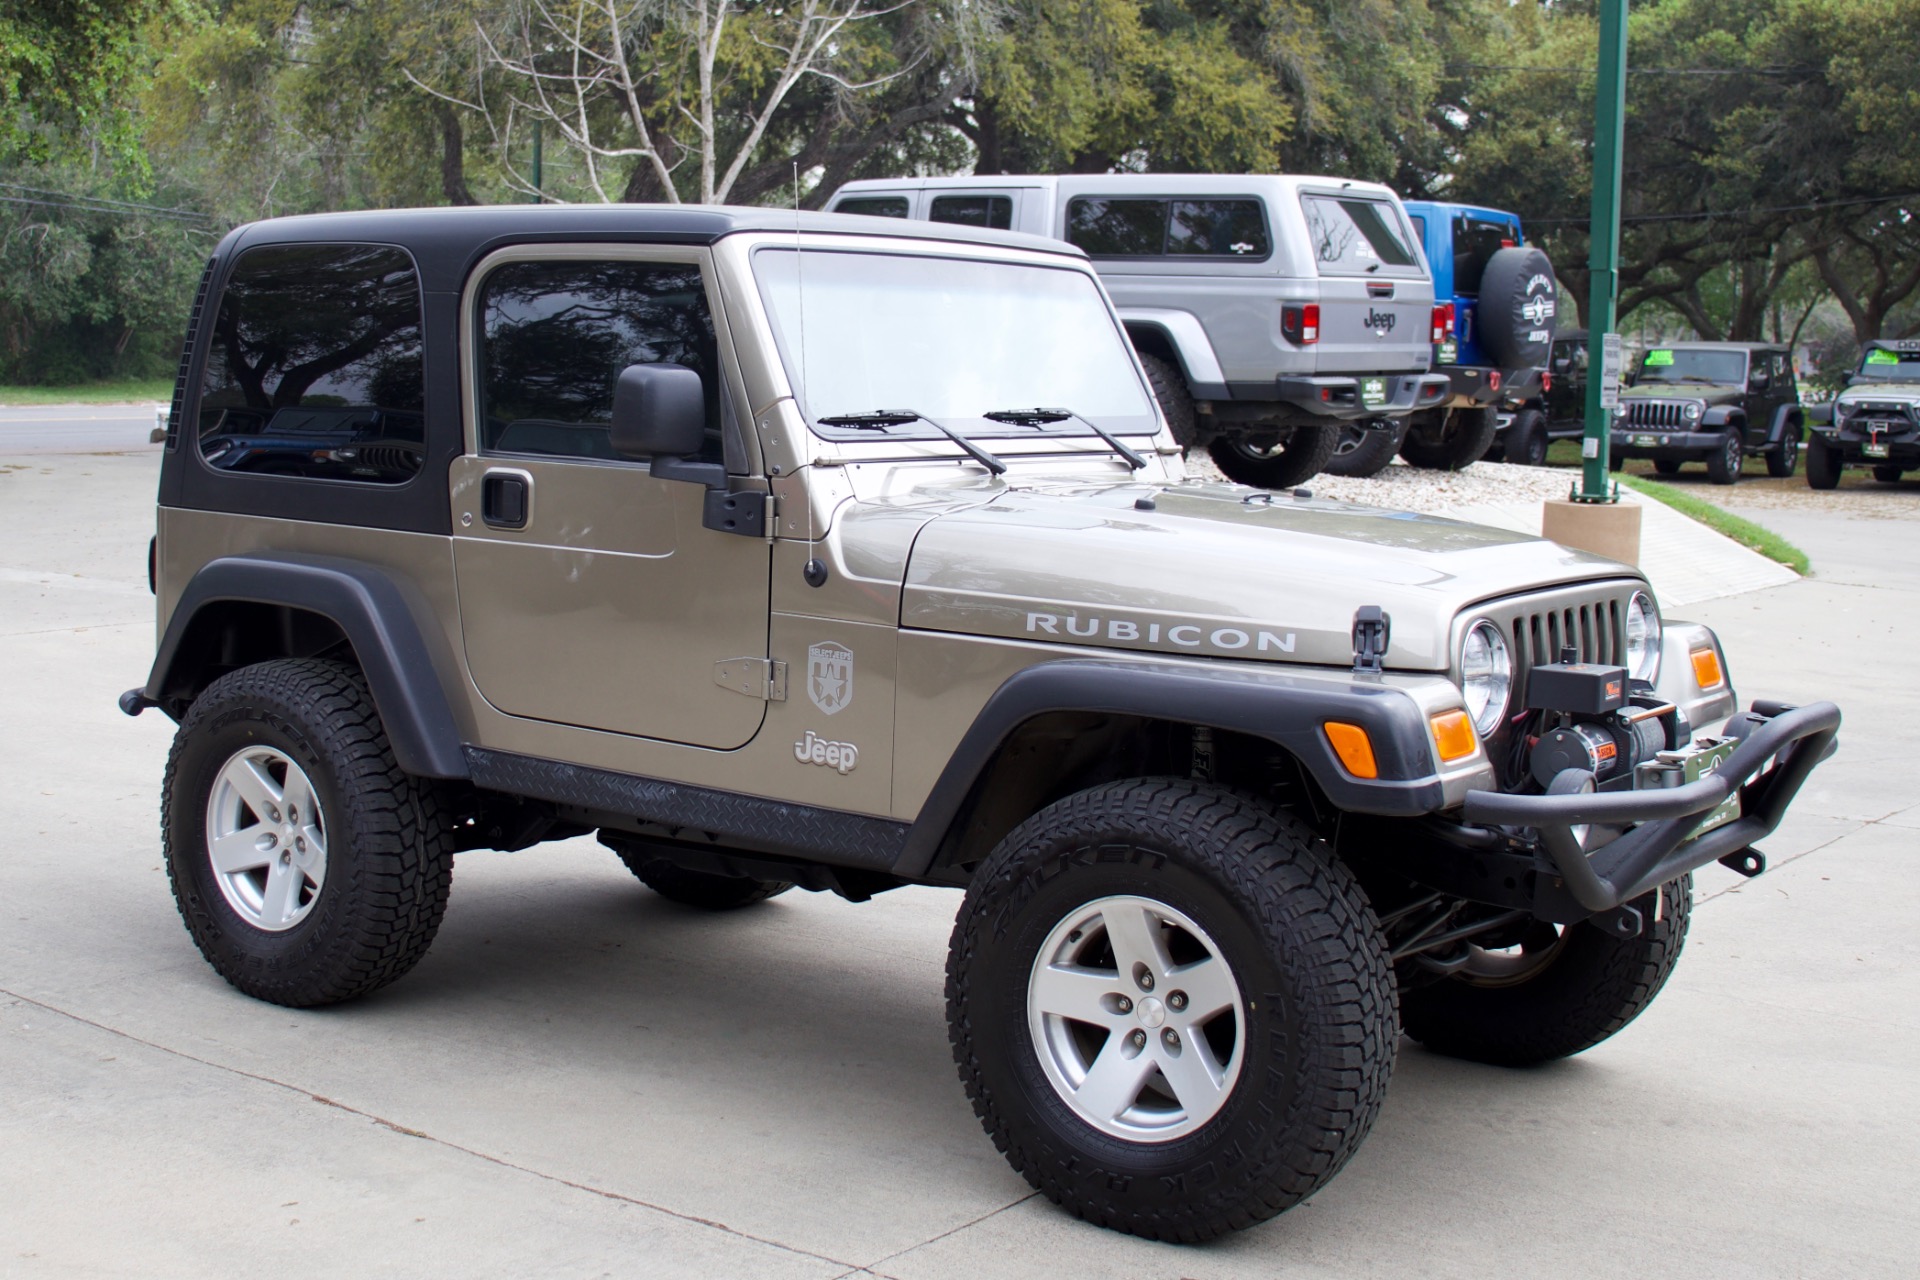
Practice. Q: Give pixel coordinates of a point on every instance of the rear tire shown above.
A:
(308, 868)
(1175, 399)
(1666, 466)
(1785, 456)
(1823, 465)
(1449, 439)
(1296, 454)
(1724, 463)
(1361, 453)
(1090, 940)
(1887, 474)
(1557, 997)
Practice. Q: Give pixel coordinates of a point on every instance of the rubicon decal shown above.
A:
(1180, 635)
(841, 757)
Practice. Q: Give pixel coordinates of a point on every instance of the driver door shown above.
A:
(590, 592)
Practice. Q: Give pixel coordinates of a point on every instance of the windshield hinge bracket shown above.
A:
(763, 678)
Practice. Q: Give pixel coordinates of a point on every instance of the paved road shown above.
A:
(86, 428)
(582, 1080)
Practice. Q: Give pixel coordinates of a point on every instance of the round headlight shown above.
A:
(1695, 411)
(1486, 676)
(1643, 638)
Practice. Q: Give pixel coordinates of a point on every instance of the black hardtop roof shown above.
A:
(1717, 346)
(1893, 344)
(447, 241)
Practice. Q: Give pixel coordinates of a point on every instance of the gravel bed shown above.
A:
(1404, 488)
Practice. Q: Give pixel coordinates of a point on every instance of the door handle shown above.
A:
(506, 499)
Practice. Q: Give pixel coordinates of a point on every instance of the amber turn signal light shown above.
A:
(1355, 749)
(1453, 735)
(1706, 669)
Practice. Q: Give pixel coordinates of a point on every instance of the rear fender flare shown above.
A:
(1285, 708)
(1182, 333)
(369, 606)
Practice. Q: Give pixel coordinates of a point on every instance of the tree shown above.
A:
(64, 67)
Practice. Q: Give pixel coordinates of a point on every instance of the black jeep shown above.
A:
(1711, 402)
(1557, 411)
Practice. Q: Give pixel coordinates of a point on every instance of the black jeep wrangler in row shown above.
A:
(1711, 402)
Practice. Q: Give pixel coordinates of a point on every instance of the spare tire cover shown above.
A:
(1519, 299)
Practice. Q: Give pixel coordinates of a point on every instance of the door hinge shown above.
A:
(763, 678)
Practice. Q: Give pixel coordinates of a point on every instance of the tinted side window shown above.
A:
(973, 211)
(1118, 228)
(555, 336)
(1355, 234)
(1218, 228)
(1475, 241)
(314, 366)
(874, 206)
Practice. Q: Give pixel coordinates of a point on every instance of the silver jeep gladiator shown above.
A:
(798, 551)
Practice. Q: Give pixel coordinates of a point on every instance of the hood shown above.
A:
(1905, 392)
(1712, 393)
(1218, 570)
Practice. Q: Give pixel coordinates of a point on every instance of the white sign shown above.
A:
(1613, 363)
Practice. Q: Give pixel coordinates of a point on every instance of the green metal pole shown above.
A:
(1603, 261)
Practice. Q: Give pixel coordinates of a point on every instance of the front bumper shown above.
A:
(1779, 747)
(1665, 443)
(1341, 398)
(1875, 440)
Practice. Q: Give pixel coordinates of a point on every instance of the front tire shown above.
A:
(1526, 442)
(307, 867)
(1171, 1008)
(1724, 463)
(1823, 465)
(1450, 439)
(1785, 456)
(1562, 990)
(1275, 457)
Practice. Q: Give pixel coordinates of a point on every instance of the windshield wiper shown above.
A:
(1040, 417)
(900, 417)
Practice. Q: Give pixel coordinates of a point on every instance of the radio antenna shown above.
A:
(814, 571)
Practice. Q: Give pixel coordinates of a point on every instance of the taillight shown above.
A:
(1493, 380)
(1442, 323)
(1300, 323)
(1546, 383)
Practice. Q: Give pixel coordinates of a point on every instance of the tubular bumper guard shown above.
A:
(1657, 848)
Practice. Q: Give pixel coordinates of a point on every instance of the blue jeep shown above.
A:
(1493, 328)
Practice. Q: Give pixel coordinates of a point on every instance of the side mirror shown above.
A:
(660, 413)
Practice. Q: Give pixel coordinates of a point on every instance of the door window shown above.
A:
(995, 212)
(556, 335)
(314, 369)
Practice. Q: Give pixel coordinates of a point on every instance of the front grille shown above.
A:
(1656, 413)
(399, 459)
(1591, 617)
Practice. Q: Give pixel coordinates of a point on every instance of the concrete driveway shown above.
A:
(581, 1079)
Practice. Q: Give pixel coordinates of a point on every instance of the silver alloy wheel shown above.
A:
(266, 838)
(1137, 1019)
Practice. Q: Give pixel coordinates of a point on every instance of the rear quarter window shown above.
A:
(874, 206)
(314, 366)
(1108, 227)
(995, 212)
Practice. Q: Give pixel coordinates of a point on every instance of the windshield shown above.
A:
(954, 339)
(1881, 365)
(1678, 365)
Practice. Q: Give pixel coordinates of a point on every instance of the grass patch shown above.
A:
(1745, 532)
(160, 389)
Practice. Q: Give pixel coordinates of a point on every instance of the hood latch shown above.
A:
(1372, 631)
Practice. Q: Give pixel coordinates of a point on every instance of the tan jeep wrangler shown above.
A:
(788, 551)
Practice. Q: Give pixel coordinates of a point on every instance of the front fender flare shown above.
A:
(371, 608)
(1283, 707)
